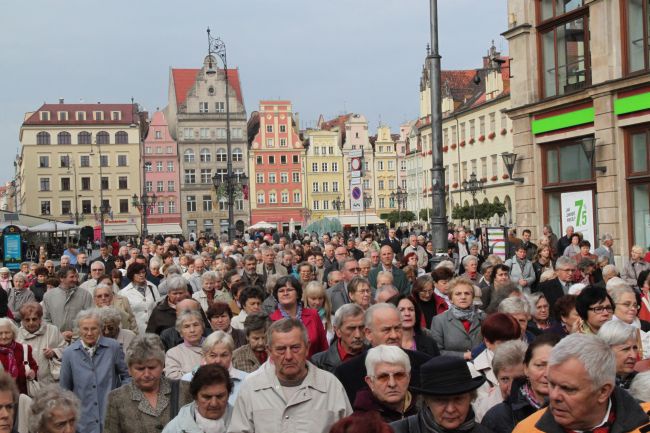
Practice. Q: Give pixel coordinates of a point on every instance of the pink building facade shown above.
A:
(162, 176)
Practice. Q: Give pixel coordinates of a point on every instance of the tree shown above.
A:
(484, 211)
(424, 213)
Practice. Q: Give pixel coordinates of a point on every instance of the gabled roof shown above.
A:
(184, 80)
(336, 122)
(127, 117)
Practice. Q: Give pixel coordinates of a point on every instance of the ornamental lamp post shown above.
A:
(473, 186)
(338, 205)
(367, 201)
(144, 203)
(400, 197)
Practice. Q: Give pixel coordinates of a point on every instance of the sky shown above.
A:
(328, 57)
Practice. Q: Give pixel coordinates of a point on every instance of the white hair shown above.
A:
(640, 387)
(345, 311)
(515, 305)
(385, 288)
(594, 354)
(217, 337)
(576, 288)
(370, 312)
(469, 258)
(509, 354)
(387, 354)
(615, 332)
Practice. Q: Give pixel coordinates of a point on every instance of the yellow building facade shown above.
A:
(324, 175)
(385, 167)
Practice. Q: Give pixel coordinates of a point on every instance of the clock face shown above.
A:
(356, 164)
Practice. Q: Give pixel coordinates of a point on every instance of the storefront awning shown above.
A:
(121, 230)
(352, 220)
(164, 229)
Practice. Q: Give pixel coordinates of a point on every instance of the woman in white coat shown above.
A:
(142, 294)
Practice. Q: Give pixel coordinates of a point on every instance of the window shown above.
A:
(45, 184)
(84, 137)
(86, 207)
(259, 177)
(121, 137)
(296, 197)
(566, 163)
(259, 160)
(236, 132)
(220, 107)
(221, 133)
(171, 186)
(158, 134)
(66, 207)
(85, 183)
(284, 177)
(161, 207)
(324, 167)
(335, 167)
(366, 184)
(493, 122)
(273, 198)
(314, 167)
(314, 187)
(222, 156)
(316, 150)
(326, 186)
(98, 115)
(382, 202)
(159, 166)
(148, 186)
(116, 115)
(564, 47)
(326, 205)
(636, 39)
(295, 159)
(207, 203)
(283, 142)
(283, 159)
(203, 107)
(45, 116)
(391, 184)
(45, 207)
(121, 161)
(123, 182)
(84, 161)
(223, 204)
(335, 186)
(63, 138)
(188, 155)
(391, 165)
(271, 160)
(269, 142)
(170, 166)
(472, 128)
(283, 128)
(495, 168)
(237, 155)
(206, 175)
(148, 150)
(103, 160)
(171, 208)
(188, 133)
(484, 167)
(62, 115)
(284, 197)
(204, 133)
(316, 205)
(191, 225)
(222, 173)
(295, 177)
(190, 176)
(104, 183)
(205, 155)
(381, 184)
(160, 186)
(380, 165)
(65, 184)
(271, 177)
(402, 165)
(260, 198)
(239, 204)
(103, 137)
(43, 138)
(43, 161)
(148, 167)
(269, 128)
(190, 202)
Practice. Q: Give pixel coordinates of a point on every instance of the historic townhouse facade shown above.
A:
(581, 117)
(324, 175)
(161, 177)
(196, 114)
(385, 171)
(70, 151)
(277, 167)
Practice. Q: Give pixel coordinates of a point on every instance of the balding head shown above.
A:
(187, 304)
(383, 325)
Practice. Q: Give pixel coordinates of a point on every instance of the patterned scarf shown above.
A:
(12, 365)
(443, 296)
(529, 396)
(432, 426)
(286, 315)
(465, 314)
(321, 313)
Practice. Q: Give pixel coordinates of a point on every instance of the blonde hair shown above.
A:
(315, 289)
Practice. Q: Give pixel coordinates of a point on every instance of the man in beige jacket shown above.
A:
(288, 393)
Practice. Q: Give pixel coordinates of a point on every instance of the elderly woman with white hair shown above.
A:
(112, 327)
(623, 340)
(217, 349)
(19, 294)
(54, 410)
(12, 355)
(640, 387)
(470, 264)
(388, 371)
(519, 308)
(92, 366)
(635, 266)
(181, 359)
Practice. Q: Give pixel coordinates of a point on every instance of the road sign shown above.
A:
(356, 198)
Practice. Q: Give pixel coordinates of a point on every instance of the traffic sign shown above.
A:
(356, 198)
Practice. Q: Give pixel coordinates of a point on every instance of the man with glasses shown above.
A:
(340, 253)
(557, 287)
(96, 271)
(386, 256)
(338, 294)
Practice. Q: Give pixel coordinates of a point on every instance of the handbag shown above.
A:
(33, 385)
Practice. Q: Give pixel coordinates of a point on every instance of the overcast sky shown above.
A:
(328, 57)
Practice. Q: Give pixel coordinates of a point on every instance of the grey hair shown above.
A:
(514, 305)
(110, 314)
(594, 354)
(385, 274)
(175, 282)
(619, 290)
(617, 284)
(185, 315)
(154, 263)
(548, 274)
(4, 321)
(563, 262)
(20, 276)
(446, 264)
(98, 263)
(469, 258)
(217, 337)
(640, 387)
(103, 286)
(91, 313)
(508, 354)
(345, 311)
(46, 401)
(209, 276)
(387, 354)
(145, 348)
(286, 325)
(365, 261)
(533, 299)
(370, 312)
(173, 270)
(385, 288)
(615, 332)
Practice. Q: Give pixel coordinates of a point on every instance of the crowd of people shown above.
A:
(332, 333)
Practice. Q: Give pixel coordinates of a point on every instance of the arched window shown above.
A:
(103, 137)
(205, 155)
(237, 154)
(63, 138)
(188, 156)
(221, 155)
(121, 137)
(43, 138)
(84, 137)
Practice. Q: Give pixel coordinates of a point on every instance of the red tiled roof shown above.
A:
(338, 121)
(128, 116)
(184, 79)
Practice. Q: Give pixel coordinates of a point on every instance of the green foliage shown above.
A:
(424, 214)
(484, 211)
(395, 217)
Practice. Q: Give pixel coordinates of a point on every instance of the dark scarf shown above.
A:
(431, 425)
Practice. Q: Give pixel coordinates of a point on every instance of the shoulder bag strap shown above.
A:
(26, 359)
(174, 399)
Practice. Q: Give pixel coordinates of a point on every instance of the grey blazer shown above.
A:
(338, 295)
(450, 334)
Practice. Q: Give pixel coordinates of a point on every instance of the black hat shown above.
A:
(446, 375)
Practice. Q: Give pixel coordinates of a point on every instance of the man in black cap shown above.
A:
(448, 390)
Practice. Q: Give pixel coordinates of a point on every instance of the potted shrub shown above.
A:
(453, 146)
(493, 178)
(503, 131)
(505, 176)
(454, 185)
(481, 138)
(492, 135)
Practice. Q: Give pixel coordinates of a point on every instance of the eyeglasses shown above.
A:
(629, 305)
(353, 269)
(385, 377)
(601, 309)
(567, 270)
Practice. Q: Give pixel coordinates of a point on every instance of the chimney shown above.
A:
(296, 117)
(61, 100)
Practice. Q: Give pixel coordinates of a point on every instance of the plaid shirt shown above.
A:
(244, 359)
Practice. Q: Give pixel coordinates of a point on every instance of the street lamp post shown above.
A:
(76, 196)
(102, 206)
(473, 186)
(144, 203)
(367, 200)
(439, 211)
(338, 204)
(400, 196)
(231, 180)
(103, 209)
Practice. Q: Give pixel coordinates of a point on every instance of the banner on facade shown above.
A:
(578, 211)
(356, 195)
